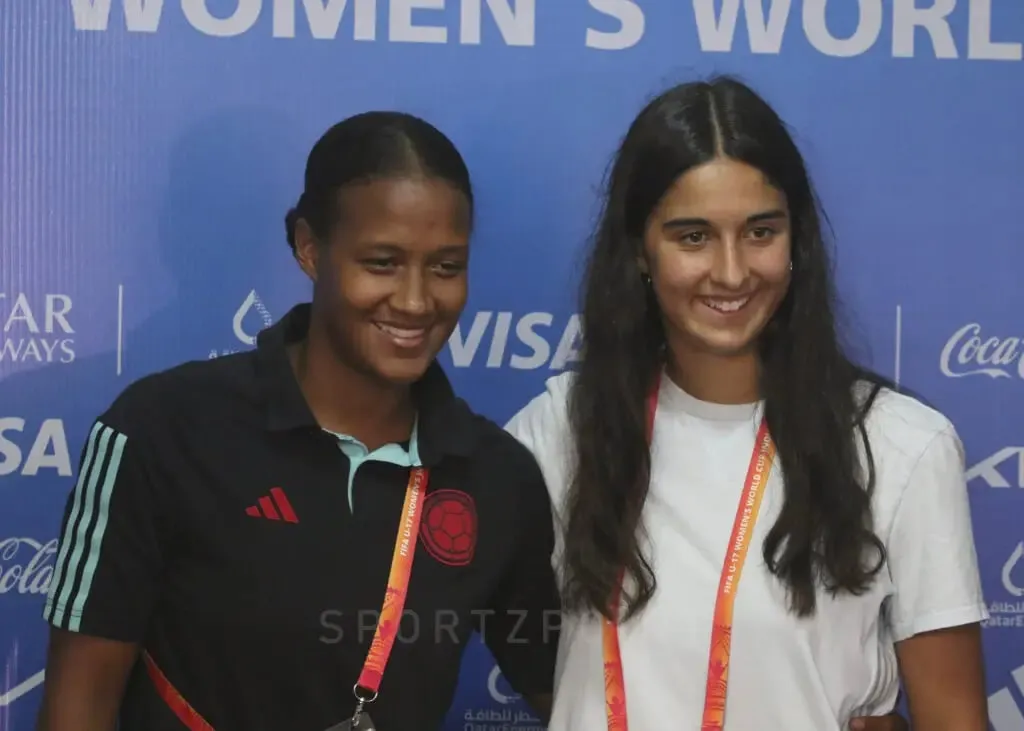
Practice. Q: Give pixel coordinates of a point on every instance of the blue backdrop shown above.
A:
(150, 148)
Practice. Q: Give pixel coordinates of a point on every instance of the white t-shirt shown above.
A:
(785, 673)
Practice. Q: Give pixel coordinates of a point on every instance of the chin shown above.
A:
(727, 351)
(402, 372)
(724, 344)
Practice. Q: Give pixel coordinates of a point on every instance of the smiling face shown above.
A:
(390, 281)
(717, 249)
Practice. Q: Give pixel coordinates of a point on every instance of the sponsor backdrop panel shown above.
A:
(149, 150)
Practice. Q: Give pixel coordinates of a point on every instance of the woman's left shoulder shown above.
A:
(902, 419)
(908, 439)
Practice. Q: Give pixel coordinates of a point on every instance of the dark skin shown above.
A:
(388, 288)
(389, 284)
(85, 678)
(944, 676)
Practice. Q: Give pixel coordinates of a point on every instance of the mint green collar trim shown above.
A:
(392, 453)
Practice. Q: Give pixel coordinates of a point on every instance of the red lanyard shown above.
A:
(387, 625)
(721, 630)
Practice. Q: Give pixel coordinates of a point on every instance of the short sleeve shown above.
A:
(524, 424)
(522, 628)
(109, 555)
(932, 558)
(542, 426)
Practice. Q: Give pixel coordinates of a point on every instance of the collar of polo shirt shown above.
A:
(444, 425)
(396, 454)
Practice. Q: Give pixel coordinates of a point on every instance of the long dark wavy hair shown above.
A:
(823, 535)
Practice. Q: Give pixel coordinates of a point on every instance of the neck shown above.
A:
(717, 379)
(345, 401)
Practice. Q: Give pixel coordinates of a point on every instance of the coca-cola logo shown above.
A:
(26, 565)
(969, 353)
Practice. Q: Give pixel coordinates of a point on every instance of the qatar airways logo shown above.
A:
(36, 329)
(972, 352)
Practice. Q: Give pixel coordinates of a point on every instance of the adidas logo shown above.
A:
(274, 506)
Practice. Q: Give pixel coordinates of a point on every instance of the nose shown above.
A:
(729, 267)
(412, 296)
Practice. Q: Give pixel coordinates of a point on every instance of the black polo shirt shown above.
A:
(211, 523)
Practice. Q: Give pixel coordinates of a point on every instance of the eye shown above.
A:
(762, 232)
(694, 238)
(450, 268)
(379, 264)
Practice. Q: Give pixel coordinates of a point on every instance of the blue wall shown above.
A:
(149, 150)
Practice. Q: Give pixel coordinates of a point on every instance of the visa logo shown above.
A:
(532, 341)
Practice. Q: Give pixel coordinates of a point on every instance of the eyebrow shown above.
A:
(756, 218)
(390, 248)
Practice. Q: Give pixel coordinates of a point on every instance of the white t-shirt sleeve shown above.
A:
(542, 426)
(932, 559)
(527, 425)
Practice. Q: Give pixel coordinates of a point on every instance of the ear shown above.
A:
(307, 249)
(642, 263)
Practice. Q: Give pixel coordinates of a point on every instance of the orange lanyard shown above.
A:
(398, 585)
(387, 625)
(721, 630)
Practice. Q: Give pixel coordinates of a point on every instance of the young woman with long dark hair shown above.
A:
(753, 529)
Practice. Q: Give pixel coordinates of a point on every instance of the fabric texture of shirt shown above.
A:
(211, 525)
(811, 674)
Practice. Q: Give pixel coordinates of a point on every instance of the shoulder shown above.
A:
(542, 426)
(503, 470)
(902, 427)
(180, 395)
(911, 444)
(497, 449)
(546, 415)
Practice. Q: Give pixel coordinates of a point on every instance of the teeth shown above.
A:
(726, 305)
(402, 333)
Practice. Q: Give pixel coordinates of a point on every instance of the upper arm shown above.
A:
(105, 577)
(85, 679)
(937, 603)
(943, 675)
(110, 553)
(521, 630)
